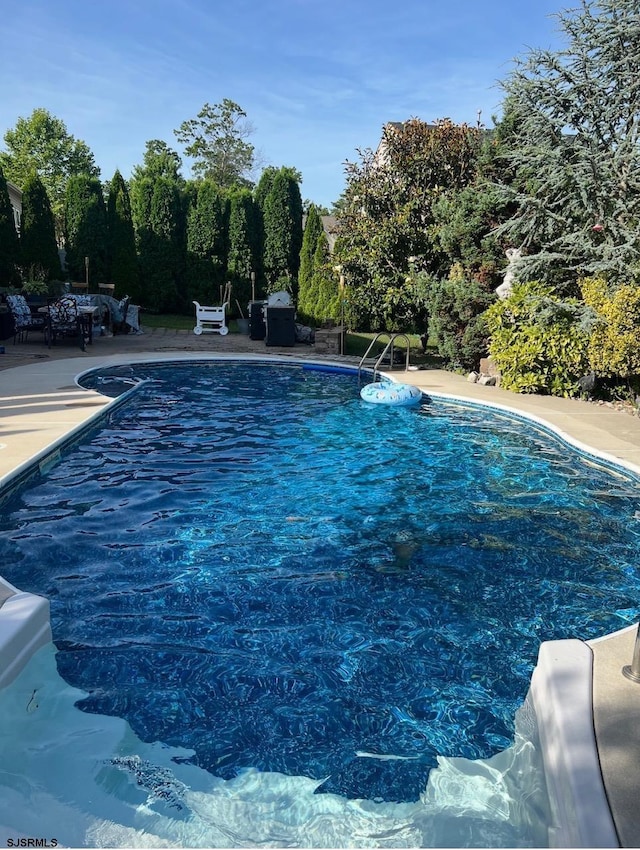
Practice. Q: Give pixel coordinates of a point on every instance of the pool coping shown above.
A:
(569, 738)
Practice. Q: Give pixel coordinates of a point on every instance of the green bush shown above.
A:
(456, 308)
(539, 342)
(614, 347)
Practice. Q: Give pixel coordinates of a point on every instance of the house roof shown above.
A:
(330, 225)
(15, 195)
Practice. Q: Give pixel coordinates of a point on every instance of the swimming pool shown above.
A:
(350, 635)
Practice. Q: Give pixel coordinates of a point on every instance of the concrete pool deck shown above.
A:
(40, 404)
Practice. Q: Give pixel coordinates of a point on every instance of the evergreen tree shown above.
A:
(282, 233)
(465, 220)
(9, 244)
(159, 161)
(164, 256)
(312, 230)
(38, 246)
(207, 230)
(324, 286)
(86, 229)
(123, 260)
(243, 243)
(157, 195)
(141, 193)
(264, 186)
(577, 152)
(260, 194)
(456, 306)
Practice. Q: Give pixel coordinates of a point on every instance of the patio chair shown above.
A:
(23, 320)
(64, 318)
(119, 324)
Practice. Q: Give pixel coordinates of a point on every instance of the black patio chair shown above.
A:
(23, 320)
(63, 319)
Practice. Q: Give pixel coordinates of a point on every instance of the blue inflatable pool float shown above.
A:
(386, 392)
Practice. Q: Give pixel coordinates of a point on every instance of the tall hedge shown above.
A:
(9, 244)
(325, 294)
(260, 194)
(165, 259)
(86, 229)
(283, 233)
(244, 240)
(123, 259)
(141, 193)
(311, 234)
(38, 246)
(207, 227)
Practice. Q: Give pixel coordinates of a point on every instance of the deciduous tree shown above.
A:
(42, 145)
(216, 141)
(387, 217)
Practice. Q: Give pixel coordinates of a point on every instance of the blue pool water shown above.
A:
(249, 562)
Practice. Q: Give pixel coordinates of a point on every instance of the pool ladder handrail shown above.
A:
(388, 347)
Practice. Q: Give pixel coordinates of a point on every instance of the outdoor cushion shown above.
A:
(64, 311)
(81, 300)
(20, 309)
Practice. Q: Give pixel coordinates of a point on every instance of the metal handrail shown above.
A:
(388, 347)
(632, 671)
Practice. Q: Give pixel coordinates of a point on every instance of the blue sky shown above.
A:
(317, 79)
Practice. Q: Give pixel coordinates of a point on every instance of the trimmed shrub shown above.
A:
(614, 347)
(456, 308)
(539, 342)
